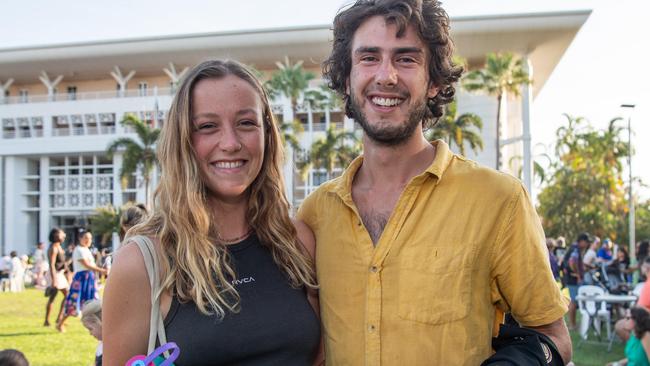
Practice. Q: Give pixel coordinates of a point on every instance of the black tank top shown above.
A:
(276, 325)
(59, 260)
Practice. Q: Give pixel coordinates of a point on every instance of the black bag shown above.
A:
(523, 346)
(50, 291)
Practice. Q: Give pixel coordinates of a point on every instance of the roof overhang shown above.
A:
(544, 37)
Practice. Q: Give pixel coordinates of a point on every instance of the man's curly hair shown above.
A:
(432, 25)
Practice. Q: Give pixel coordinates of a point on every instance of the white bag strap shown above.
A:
(156, 325)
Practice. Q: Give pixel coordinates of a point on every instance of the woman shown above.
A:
(237, 274)
(84, 285)
(132, 216)
(56, 279)
(637, 347)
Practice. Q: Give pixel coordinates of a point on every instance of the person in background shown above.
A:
(637, 347)
(40, 266)
(623, 328)
(84, 285)
(132, 216)
(642, 251)
(91, 318)
(574, 271)
(56, 280)
(555, 265)
(12, 357)
(605, 254)
(16, 273)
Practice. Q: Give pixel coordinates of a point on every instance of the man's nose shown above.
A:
(386, 74)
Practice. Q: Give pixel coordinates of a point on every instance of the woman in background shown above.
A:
(84, 285)
(637, 347)
(56, 279)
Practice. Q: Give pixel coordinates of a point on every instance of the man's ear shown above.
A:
(432, 91)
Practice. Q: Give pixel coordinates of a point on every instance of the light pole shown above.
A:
(631, 215)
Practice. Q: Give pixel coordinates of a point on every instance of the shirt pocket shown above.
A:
(435, 284)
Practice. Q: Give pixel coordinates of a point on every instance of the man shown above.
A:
(574, 273)
(417, 248)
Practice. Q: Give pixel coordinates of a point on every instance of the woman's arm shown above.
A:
(92, 266)
(53, 254)
(306, 237)
(126, 308)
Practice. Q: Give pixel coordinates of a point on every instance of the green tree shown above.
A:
(337, 149)
(502, 75)
(105, 221)
(139, 155)
(462, 129)
(642, 220)
(290, 80)
(585, 191)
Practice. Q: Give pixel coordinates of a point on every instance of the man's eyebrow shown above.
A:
(399, 50)
(365, 49)
(408, 50)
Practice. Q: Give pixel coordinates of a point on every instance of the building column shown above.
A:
(44, 201)
(526, 115)
(9, 213)
(3, 179)
(50, 84)
(3, 88)
(117, 184)
(287, 117)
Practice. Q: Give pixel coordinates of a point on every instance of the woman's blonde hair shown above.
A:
(194, 267)
(91, 312)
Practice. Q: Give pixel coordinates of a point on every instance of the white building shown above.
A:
(60, 107)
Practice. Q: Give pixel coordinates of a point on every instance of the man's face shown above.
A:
(389, 83)
(583, 244)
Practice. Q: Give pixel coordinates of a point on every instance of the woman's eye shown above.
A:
(248, 123)
(206, 127)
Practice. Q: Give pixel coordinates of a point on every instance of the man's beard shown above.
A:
(394, 134)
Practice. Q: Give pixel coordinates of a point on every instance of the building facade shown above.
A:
(60, 107)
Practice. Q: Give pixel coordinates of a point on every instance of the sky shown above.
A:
(602, 69)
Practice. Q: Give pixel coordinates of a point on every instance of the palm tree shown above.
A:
(502, 74)
(462, 129)
(138, 155)
(337, 149)
(290, 80)
(105, 221)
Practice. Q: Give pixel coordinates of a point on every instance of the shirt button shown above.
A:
(371, 328)
(374, 269)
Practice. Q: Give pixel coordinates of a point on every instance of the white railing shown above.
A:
(65, 97)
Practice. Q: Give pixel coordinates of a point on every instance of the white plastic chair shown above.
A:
(592, 312)
(637, 289)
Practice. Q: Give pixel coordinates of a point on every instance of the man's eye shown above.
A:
(368, 58)
(406, 59)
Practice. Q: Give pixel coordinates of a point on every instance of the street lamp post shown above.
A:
(631, 215)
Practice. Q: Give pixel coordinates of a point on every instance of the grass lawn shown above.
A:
(21, 327)
(21, 319)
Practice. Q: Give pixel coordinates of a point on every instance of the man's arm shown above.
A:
(559, 334)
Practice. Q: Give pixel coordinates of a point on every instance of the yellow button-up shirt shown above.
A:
(462, 241)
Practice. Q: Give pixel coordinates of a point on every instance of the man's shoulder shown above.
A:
(472, 176)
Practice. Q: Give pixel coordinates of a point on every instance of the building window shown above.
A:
(24, 95)
(72, 92)
(142, 88)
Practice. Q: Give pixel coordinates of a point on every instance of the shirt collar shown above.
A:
(343, 185)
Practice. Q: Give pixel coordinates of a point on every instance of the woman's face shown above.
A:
(86, 239)
(60, 236)
(228, 135)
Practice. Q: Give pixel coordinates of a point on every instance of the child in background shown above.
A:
(91, 318)
(12, 357)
